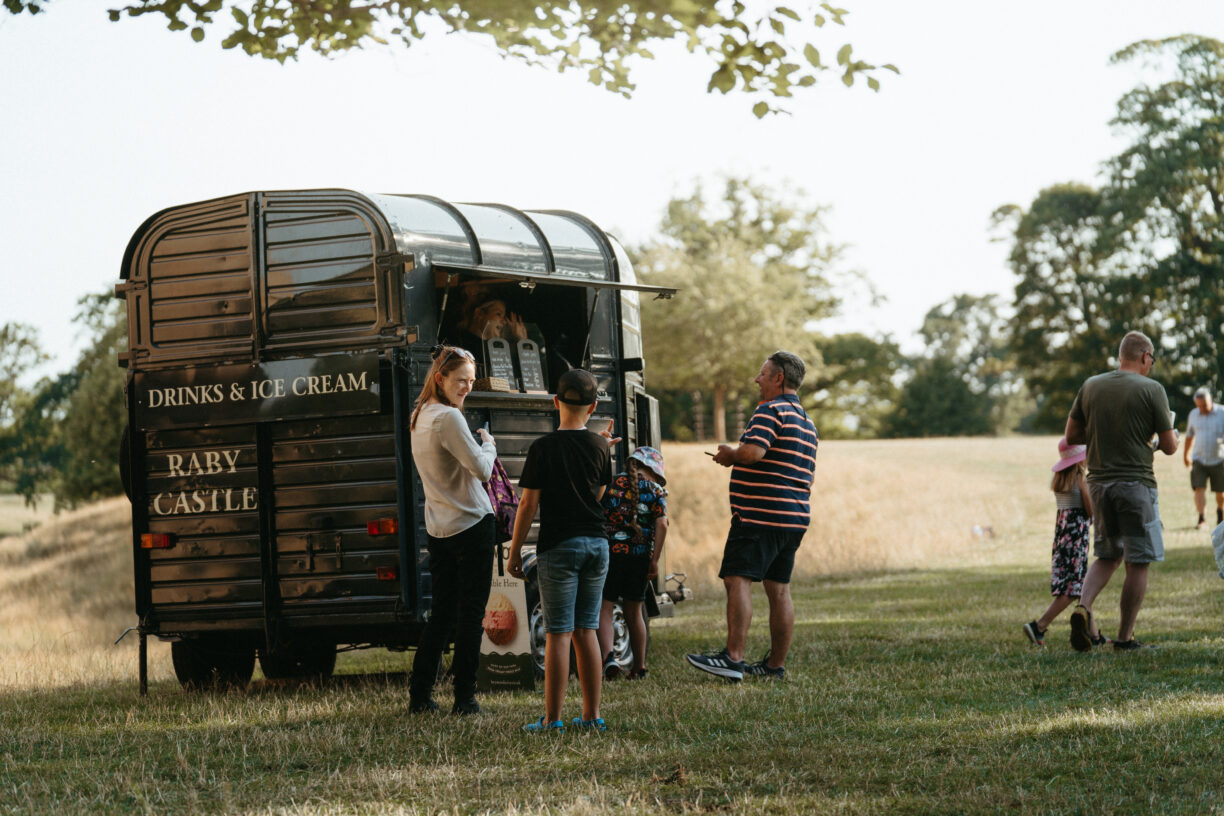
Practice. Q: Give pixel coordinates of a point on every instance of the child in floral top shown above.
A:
(635, 512)
(1070, 556)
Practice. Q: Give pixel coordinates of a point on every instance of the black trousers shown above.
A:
(462, 569)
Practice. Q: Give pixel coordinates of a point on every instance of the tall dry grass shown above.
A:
(66, 593)
(901, 504)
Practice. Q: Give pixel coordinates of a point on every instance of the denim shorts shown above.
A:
(571, 579)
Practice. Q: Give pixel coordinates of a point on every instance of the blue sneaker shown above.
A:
(596, 724)
(539, 726)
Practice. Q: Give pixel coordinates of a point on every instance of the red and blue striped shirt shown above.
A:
(776, 491)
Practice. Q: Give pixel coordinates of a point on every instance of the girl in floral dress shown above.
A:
(1070, 558)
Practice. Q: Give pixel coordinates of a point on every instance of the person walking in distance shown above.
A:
(1205, 434)
(771, 484)
(1116, 414)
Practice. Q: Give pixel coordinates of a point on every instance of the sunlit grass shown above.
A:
(910, 690)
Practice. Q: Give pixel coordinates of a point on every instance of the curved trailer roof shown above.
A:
(493, 240)
(489, 240)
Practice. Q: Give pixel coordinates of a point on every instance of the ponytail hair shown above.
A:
(445, 360)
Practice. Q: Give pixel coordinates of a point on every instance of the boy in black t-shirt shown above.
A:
(565, 475)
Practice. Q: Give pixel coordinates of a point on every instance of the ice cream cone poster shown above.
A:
(505, 649)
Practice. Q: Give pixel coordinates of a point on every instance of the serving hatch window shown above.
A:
(555, 317)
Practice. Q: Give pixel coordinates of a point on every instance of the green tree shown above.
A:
(95, 412)
(66, 436)
(19, 354)
(1166, 196)
(766, 52)
(755, 268)
(937, 401)
(1146, 251)
(1068, 314)
(966, 382)
(853, 393)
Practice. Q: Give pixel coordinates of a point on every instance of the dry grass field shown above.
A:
(903, 504)
(17, 517)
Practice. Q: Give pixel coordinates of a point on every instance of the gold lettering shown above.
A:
(157, 506)
(299, 386)
(199, 502)
(232, 460)
(212, 462)
(180, 504)
(176, 464)
(229, 507)
(249, 498)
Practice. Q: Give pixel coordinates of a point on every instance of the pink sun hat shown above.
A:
(1071, 455)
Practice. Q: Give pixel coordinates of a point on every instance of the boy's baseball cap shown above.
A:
(577, 387)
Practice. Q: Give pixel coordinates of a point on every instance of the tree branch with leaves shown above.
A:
(766, 53)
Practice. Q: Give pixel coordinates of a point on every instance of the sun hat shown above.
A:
(652, 459)
(1071, 455)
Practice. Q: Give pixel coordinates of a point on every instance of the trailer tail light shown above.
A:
(382, 526)
(386, 573)
(156, 541)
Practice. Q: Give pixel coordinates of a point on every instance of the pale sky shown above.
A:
(102, 124)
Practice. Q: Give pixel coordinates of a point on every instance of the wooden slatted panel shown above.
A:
(203, 489)
(331, 477)
(199, 288)
(319, 280)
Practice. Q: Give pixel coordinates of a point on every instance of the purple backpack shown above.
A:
(505, 502)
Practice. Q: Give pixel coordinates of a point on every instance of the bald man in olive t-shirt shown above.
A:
(1116, 415)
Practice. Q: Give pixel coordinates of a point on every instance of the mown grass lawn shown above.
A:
(909, 692)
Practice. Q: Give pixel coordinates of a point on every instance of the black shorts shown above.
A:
(1200, 474)
(626, 579)
(760, 553)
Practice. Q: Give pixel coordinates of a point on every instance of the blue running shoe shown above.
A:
(596, 724)
(539, 727)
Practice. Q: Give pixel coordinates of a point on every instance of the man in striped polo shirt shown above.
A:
(771, 484)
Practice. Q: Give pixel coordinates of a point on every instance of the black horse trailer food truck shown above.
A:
(278, 341)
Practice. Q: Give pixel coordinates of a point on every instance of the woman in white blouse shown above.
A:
(459, 521)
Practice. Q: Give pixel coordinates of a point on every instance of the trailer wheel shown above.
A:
(314, 662)
(202, 664)
(622, 649)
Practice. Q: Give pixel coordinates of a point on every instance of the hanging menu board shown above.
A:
(531, 367)
(501, 360)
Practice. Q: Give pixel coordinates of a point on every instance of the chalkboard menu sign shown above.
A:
(531, 367)
(501, 361)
